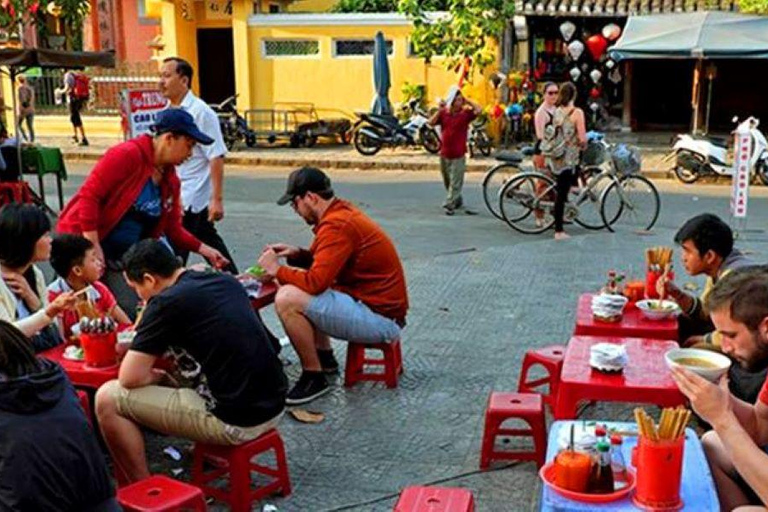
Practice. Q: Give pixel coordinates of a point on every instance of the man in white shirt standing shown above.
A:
(202, 175)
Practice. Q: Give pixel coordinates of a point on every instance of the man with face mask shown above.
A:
(349, 285)
(735, 449)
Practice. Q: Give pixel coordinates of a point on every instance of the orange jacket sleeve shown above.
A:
(332, 248)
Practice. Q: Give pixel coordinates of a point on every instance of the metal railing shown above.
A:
(105, 86)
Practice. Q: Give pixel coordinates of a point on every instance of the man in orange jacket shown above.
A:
(349, 285)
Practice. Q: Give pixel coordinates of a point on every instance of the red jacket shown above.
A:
(113, 186)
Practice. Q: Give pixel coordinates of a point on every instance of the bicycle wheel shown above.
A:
(493, 182)
(587, 198)
(527, 203)
(631, 203)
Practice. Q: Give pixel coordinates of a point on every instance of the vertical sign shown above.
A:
(741, 173)
(140, 106)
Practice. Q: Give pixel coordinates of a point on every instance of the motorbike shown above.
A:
(373, 131)
(234, 127)
(478, 139)
(696, 156)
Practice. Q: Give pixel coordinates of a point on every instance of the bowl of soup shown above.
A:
(654, 309)
(710, 365)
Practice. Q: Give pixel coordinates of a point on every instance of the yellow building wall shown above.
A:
(341, 83)
(311, 5)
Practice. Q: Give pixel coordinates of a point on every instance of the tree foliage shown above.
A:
(382, 5)
(463, 33)
(753, 6)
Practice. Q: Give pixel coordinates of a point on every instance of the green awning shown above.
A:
(696, 35)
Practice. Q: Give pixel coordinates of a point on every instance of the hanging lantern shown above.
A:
(497, 111)
(575, 73)
(611, 31)
(615, 76)
(595, 92)
(595, 75)
(567, 30)
(610, 64)
(596, 45)
(594, 107)
(575, 49)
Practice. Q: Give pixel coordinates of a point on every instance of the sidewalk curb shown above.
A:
(372, 164)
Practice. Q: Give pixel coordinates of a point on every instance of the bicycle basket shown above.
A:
(626, 159)
(594, 155)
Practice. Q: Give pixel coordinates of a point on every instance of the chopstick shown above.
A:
(84, 290)
(671, 425)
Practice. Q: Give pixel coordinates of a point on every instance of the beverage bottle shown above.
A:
(601, 476)
(618, 465)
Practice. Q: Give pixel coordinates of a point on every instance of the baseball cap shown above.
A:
(177, 120)
(306, 179)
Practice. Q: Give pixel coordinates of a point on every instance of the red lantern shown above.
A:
(497, 111)
(595, 93)
(596, 45)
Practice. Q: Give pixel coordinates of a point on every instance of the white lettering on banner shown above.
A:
(741, 173)
(141, 107)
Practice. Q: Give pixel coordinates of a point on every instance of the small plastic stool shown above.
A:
(235, 462)
(391, 361)
(159, 493)
(551, 358)
(435, 499)
(85, 403)
(504, 406)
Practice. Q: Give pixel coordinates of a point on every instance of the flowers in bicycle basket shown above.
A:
(626, 159)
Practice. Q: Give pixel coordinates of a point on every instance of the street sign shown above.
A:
(741, 174)
(139, 108)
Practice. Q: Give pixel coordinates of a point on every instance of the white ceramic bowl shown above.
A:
(721, 363)
(650, 310)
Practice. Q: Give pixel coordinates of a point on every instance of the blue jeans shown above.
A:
(340, 316)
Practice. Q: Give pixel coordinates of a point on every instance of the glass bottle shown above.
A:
(618, 465)
(601, 476)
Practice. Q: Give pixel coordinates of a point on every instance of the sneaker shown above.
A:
(84, 142)
(470, 212)
(75, 140)
(449, 210)
(310, 385)
(328, 361)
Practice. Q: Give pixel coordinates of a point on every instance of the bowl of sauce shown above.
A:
(710, 365)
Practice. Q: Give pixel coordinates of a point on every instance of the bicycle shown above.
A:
(604, 196)
(497, 176)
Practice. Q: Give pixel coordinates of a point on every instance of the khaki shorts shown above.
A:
(180, 412)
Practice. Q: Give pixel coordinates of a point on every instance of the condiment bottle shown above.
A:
(618, 465)
(601, 476)
(601, 433)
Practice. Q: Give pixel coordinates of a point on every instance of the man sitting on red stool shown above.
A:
(736, 448)
(349, 284)
(233, 383)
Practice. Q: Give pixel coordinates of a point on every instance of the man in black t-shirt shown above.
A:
(232, 383)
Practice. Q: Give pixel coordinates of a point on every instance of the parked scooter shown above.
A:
(373, 131)
(234, 127)
(697, 156)
(478, 139)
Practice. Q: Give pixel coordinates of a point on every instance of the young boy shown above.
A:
(454, 116)
(74, 259)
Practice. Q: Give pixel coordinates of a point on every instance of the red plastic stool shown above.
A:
(235, 462)
(85, 403)
(159, 493)
(391, 361)
(551, 358)
(14, 192)
(503, 406)
(435, 499)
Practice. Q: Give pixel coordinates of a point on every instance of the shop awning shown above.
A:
(698, 35)
(43, 58)
(618, 8)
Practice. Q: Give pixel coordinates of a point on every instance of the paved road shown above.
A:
(481, 295)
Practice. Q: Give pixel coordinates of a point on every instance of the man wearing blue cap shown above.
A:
(133, 193)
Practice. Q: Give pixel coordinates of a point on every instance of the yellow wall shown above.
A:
(343, 83)
(311, 5)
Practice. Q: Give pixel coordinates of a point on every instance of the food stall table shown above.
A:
(633, 323)
(697, 489)
(645, 379)
(40, 161)
(81, 375)
(266, 296)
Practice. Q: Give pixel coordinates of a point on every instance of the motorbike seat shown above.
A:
(510, 157)
(717, 141)
(386, 120)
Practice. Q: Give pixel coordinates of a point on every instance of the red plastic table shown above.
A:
(633, 324)
(81, 375)
(646, 379)
(266, 296)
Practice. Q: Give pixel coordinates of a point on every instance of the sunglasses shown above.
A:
(551, 93)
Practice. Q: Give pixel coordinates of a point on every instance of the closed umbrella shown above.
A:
(381, 82)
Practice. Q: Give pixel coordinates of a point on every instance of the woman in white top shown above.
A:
(25, 240)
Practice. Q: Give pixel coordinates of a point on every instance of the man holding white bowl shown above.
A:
(736, 448)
